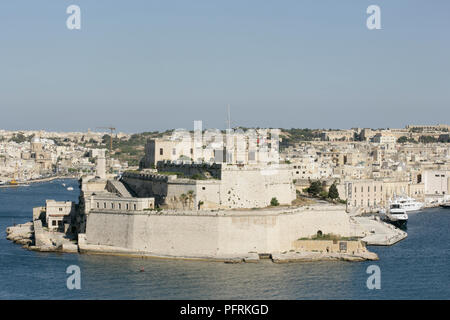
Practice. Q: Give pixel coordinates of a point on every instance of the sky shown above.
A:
(146, 65)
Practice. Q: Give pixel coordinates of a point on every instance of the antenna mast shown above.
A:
(229, 118)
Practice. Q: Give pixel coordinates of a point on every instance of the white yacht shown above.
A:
(406, 203)
(397, 215)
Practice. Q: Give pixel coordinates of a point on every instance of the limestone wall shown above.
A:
(253, 187)
(250, 186)
(211, 235)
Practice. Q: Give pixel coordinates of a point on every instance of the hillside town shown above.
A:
(27, 156)
(236, 195)
(369, 167)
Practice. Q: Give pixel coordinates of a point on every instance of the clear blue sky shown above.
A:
(153, 65)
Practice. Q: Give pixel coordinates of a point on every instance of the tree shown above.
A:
(190, 196)
(427, 139)
(315, 188)
(183, 198)
(333, 192)
(274, 202)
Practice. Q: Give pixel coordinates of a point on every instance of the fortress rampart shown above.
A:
(217, 234)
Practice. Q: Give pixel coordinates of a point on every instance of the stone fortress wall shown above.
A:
(232, 186)
(219, 234)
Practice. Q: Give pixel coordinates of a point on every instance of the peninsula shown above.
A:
(232, 207)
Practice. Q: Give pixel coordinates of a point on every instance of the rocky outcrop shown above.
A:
(21, 234)
(322, 256)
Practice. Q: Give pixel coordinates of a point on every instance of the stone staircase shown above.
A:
(118, 187)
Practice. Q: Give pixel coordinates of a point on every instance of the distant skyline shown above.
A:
(158, 65)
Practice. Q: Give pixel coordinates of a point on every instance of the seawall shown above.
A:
(217, 234)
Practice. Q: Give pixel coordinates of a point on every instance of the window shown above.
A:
(161, 151)
(60, 209)
(120, 206)
(54, 223)
(203, 188)
(104, 205)
(98, 205)
(134, 207)
(174, 151)
(112, 205)
(128, 206)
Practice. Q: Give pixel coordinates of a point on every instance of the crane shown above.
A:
(111, 129)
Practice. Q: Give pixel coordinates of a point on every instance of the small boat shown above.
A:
(70, 188)
(63, 184)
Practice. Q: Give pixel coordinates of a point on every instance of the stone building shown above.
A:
(214, 186)
(56, 215)
(42, 157)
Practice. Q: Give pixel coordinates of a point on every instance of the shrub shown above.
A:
(323, 194)
(274, 202)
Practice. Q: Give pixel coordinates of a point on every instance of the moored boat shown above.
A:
(397, 216)
(406, 203)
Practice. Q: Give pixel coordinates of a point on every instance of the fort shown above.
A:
(207, 211)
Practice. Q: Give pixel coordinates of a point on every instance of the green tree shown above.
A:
(427, 139)
(274, 202)
(333, 192)
(315, 188)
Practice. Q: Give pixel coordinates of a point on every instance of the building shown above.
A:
(214, 186)
(384, 138)
(437, 182)
(58, 214)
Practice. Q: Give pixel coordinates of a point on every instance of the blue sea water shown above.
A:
(416, 268)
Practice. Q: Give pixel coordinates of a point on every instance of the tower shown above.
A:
(101, 165)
